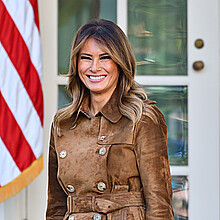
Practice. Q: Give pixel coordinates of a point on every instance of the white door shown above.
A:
(162, 35)
(177, 50)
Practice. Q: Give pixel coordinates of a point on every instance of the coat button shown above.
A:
(71, 218)
(63, 154)
(102, 151)
(101, 186)
(102, 138)
(97, 217)
(70, 188)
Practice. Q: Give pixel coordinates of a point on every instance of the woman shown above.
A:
(108, 155)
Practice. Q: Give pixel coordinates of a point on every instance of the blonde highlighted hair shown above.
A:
(132, 98)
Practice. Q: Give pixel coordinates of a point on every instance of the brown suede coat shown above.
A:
(134, 160)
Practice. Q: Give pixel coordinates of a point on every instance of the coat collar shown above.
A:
(110, 110)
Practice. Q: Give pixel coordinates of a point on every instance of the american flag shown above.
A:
(21, 97)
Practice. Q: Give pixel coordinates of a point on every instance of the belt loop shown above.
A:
(109, 216)
(93, 203)
(70, 202)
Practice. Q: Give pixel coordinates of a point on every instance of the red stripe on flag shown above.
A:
(35, 8)
(17, 50)
(13, 138)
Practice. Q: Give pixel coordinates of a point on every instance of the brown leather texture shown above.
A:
(110, 150)
(104, 203)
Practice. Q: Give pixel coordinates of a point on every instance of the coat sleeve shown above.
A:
(153, 165)
(57, 199)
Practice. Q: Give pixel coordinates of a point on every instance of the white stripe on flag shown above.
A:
(20, 104)
(8, 168)
(23, 16)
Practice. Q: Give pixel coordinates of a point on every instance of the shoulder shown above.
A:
(152, 121)
(150, 136)
(151, 110)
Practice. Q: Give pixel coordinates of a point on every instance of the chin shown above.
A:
(97, 91)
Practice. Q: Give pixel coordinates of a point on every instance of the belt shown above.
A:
(104, 203)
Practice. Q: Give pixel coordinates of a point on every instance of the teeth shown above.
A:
(96, 77)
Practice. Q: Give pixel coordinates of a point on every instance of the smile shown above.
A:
(96, 78)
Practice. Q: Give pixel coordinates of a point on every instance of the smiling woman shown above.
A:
(108, 155)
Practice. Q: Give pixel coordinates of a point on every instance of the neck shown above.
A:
(97, 102)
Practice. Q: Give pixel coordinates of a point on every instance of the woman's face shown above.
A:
(97, 70)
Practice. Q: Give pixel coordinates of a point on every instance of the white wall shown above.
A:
(37, 190)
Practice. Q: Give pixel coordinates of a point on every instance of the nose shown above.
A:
(95, 66)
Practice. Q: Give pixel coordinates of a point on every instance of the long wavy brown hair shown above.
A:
(132, 98)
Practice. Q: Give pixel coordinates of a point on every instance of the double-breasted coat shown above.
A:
(104, 167)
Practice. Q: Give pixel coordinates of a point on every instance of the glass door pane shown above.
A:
(157, 30)
(172, 101)
(64, 99)
(180, 197)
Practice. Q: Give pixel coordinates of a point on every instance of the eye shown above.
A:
(105, 57)
(85, 58)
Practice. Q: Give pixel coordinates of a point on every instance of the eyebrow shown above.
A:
(103, 54)
(87, 54)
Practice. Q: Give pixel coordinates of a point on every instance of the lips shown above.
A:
(96, 78)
